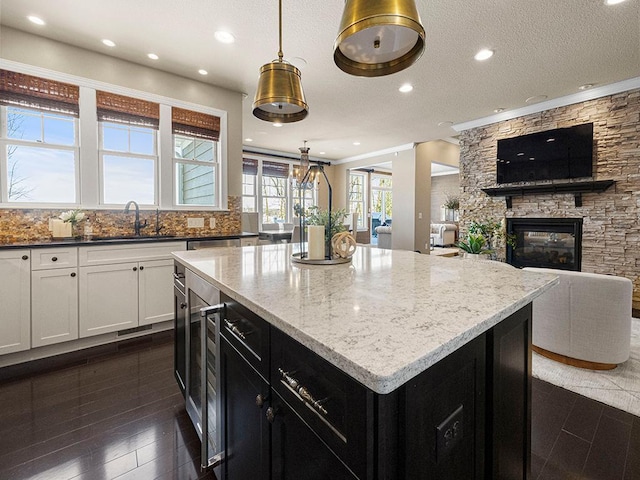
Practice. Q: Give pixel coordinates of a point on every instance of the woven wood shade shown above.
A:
(127, 110)
(195, 124)
(23, 90)
(249, 166)
(274, 169)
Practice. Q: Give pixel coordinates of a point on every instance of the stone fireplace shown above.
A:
(546, 243)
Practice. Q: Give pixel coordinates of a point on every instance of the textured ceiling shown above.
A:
(543, 47)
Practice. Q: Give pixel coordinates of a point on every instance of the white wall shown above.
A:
(22, 47)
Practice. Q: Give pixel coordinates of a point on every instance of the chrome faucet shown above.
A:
(136, 224)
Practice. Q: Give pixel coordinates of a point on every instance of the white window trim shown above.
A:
(4, 164)
(365, 210)
(87, 186)
(185, 161)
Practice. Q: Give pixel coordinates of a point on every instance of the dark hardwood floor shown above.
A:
(121, 415)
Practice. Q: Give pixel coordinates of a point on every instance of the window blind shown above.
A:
(249, 166)
(131, 111)
(274, 169)
(19, 89)
(195, 124)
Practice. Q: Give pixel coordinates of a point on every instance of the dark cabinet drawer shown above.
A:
(334, 405)
(248, 333)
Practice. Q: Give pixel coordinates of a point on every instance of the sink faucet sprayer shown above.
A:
(136, 224)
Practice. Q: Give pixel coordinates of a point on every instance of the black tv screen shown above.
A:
(554, 154)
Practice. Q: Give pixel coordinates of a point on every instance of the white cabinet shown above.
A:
(14, 301)
(54, 295)
(125, 286)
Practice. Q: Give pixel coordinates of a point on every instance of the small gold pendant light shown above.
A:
(279, 97)
(378, 37)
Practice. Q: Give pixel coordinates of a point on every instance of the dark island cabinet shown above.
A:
(290, 414)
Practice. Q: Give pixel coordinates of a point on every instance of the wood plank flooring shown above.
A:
(121, 416)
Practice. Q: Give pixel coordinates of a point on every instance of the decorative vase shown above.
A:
(476, 256)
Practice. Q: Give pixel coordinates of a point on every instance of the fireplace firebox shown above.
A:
(546, 242)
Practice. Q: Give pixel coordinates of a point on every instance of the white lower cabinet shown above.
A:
(15, 311)
(155, 292)
(108, 298)
(54, 306)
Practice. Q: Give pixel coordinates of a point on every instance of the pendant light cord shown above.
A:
(280, 54)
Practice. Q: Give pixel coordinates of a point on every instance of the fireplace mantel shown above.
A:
(576, 188)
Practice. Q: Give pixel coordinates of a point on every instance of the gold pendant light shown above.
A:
(279, 97)
(378, 37)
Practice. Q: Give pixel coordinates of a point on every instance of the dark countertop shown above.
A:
(117, 240)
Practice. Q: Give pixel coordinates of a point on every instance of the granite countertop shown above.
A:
(117, 240)
(384, 318)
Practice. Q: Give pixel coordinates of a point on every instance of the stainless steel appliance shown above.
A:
(179, 326)
(203, 366)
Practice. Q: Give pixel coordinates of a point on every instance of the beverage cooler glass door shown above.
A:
(203, 382)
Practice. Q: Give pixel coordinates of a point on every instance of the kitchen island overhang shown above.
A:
(383, 318)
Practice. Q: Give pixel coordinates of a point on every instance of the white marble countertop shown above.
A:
(384, 318)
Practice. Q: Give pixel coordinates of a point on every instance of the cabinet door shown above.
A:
(297, 452)
(15, 316)
(108, 298)
(54, 306)
(156, 291)
(246, 431)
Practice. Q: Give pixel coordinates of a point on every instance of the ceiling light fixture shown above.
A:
(202, 71)
(445, 124)
(152, 56)
(535, 99)
(248, 139)
(224, 37)
(484, 54)
(108, 43)
(36, 20)
(356, 143)
(279, 96)
(378, 38)
(586, 86)
(406, 88)
(498, 110)
(277, 124)
(613, 2)
(304, 161)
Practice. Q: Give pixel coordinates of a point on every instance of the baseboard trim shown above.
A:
(574, 362)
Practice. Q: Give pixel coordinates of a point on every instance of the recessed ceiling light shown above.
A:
(277, 124)
(586, 86)
(484, 54)
(445, 124)
(612, 2)
(356, 143)
(248, 139)
(36, 20)
(499, 110)
(407, 87)
(520, 154)
(322, 153)
(202, 71)
(108, 43)
(224, 37)
(152, 56)
(549, 140)
(535, 99)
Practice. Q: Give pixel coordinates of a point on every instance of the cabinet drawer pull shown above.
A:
(302, 392)
(260, 399)
(235, 330)
(73, 274)
(54, 259)
(135, 269)
(25, 257)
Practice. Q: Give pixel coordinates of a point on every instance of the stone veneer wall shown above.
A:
(32, 225)
(611, 230)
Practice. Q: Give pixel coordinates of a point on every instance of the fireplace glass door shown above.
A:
(546, 243)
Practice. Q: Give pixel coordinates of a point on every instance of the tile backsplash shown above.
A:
(32, 225)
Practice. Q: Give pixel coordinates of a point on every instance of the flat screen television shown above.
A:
(555, 154)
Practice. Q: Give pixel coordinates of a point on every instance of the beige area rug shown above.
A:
(619, 387)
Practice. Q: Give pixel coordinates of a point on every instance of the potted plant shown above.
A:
(451, 206)
(317, 216)
(474, 246)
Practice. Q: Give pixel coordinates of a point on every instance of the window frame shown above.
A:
(119, 153)
(362, 217)
(215, 164)
(5, 142)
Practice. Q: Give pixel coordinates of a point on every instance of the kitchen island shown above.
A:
(429, 359)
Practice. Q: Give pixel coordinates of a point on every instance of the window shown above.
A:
(381, 197)
(38, 140)
(357, 196)
(249, 180)
(274, 192)
(128, 149)
(196, 157)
